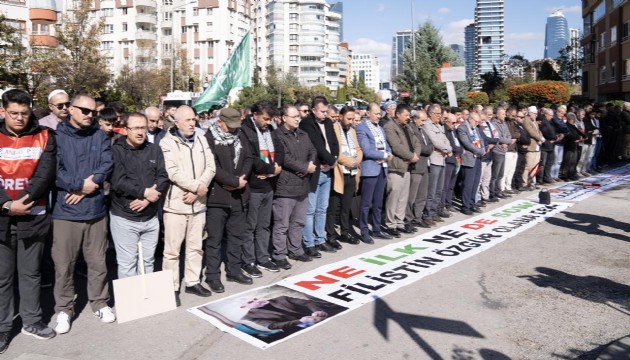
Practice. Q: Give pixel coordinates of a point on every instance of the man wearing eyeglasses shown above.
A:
(84, 163)
(441, 150)
(58, 103)
(138, 182)
(27, 168)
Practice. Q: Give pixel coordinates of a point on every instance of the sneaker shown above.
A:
(5, 338)
(303, 257)
(269, 266)
(39, 330)
(283, 264)
(251, 270)
(106, 315)
(63, 323)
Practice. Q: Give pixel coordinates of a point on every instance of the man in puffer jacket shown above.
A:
(190, 166)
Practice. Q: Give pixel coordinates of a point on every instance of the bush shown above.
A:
(475, 97)
(548, 92)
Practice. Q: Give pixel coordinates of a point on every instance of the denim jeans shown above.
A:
(315, 226)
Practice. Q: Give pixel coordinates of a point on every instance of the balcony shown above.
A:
(147, 3)
(146, 35)
(44, 40)
(42, 15)
(146, 18)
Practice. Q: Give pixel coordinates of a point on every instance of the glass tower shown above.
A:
(556, 35)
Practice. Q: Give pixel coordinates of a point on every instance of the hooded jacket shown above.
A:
(187, 168)
(134, 171)
(81, 152)
(38, 185)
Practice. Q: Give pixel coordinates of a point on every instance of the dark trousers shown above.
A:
(257, 232)
(498, 168)
(345, 201)
(547, 158)
(372, 194)
(26, 254)
(450, 179)
(569, 164)
(434, 194)
(521, 165)
(470, 177)
(69, 239)
(220, 221)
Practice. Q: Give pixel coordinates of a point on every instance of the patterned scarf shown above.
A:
(265, 143)
(348, 147)
(379, 137)
(226, 139)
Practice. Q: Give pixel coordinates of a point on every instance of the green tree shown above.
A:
(342, 95)
(81, 68)
(547, 72)
(491, 81)
(361, 91)
(431, 54)
(141, 87)
(570, 63)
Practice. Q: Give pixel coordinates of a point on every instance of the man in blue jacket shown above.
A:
(84, 162)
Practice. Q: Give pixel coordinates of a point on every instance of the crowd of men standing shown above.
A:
(255, 189)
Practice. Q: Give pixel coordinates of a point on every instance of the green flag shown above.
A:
(233, 74)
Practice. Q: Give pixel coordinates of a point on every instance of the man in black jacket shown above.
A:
(547, 148)
(322, 135)
(452, 163)
(296, 155)
(227, 198)
(258, 132)
(27, 169)
(419, 184)
(138, 181)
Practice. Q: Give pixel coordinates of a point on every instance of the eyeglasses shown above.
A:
(15, 114)
(85, 111)
(303, 111)
(60, 106)
(137, 128)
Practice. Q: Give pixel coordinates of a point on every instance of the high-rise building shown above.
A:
(34, 21)
(365, 67)
(470, 49)
(489, 36)
(606, 49)
(400, 43)
(303, 39)
(459, 51)
(345, 64)
(556, 35)
(338, 8)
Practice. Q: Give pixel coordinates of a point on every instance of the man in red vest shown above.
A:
(27, 169)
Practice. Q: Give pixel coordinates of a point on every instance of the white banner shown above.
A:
(266, 316)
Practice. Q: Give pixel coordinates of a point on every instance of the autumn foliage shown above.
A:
(547, 92)
(476, 97)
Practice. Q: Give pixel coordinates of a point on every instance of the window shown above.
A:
(293, 48)
(184, 29)
(41, 29)
(625, 70)
(599, 12)
(196, 28)
(209, 24)
(625, 31)
(293, 27)
(613, 70)
(166, 46)
(108, 12)
(109, 28)
(195, 11)
(293, 59)
(124, 25)
(209, 11)
(602, 41)
(293, 16)
(167, 32)
(602, 74)
(107, 45)
(125, 11)
(167, 2)
(613, 35)
(293, 38)
(168, 16)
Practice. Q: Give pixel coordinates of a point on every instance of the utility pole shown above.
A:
(413, 49)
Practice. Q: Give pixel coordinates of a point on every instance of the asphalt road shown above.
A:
(559, 290)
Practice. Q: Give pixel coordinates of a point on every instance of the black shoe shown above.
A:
(310, 251)
(429, 222)
(476, 210)
(303, 258)
(198, 290)
(506, 195)
(269, 266)
(436, 218)
(444, 214)
(450, 208)
(239, 278)
(381, 235)
(329, 245)
(492, 200)
(467, 212)
(393, 232)
(334, 243)
(481, 203)
(178, 302)
(283, 264)
(216, 285)
(348, 239)
(421, 224)
(367, 239)
(5, 338)
(39, 330)
(408, 229)
(251, 270)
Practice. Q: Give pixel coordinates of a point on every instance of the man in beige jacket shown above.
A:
(190, 166)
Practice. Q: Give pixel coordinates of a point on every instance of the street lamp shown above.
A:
(173, 41)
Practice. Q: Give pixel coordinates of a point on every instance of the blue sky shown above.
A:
(370, 24)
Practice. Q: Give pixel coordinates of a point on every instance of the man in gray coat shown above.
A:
(434, 130)
(473, 145)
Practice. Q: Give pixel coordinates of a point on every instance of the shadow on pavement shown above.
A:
(591, 224)
(410, 322)
(591, 288)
